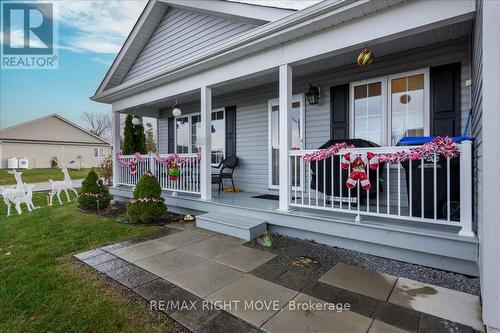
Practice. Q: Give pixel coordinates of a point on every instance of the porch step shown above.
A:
(239, 226)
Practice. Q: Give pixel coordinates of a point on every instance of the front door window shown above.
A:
(188, 137)
(368, 111)
(297, 129)
(407, 107)
(218, 137)
(182, 135)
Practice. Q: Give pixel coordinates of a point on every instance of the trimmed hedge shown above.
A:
(93, 189)
(147, 203)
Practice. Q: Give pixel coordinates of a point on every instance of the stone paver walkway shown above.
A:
(228, 287)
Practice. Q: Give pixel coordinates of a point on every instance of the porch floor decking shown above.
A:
(249, 200)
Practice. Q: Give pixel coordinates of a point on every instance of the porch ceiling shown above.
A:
(331, 61)
(328, 62)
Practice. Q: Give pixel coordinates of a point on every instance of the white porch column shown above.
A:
(206, 144)
(285, 136)
(466, 189)
(116, 144)
(489, 226)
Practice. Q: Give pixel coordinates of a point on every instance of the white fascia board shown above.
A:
(406, 19)
(235, 10)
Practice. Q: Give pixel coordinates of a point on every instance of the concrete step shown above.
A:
(243, 227)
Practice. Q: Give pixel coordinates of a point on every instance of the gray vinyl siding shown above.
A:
(251, 135)
(181, 34)
(252, 107)
(477, 110)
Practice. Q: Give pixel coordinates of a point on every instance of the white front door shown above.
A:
(297, 140)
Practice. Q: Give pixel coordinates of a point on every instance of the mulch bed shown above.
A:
(114, 210)
(118, 209)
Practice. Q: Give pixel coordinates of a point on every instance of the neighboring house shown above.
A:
(240, 72)
(41, 139)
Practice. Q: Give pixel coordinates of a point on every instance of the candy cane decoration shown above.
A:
(132, 164)
(358, 172)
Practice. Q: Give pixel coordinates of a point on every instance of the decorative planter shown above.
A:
(173, 172)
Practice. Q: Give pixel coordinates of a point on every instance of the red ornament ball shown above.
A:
(365, 58)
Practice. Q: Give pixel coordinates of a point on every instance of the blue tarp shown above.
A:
(419, 140)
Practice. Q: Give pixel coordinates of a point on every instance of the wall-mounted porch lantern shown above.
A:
(312, 94)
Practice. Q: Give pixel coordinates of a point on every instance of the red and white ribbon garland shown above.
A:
(323, 154)
(440, 146)
(131, 164)
(170, 160)
(358, 161)
(175, 159)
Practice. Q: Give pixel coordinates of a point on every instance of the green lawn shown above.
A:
(40, 175)
(44, 289)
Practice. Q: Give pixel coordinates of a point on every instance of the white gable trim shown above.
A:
(233, 10)
(152, 14)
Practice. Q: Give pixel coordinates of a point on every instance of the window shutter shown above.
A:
(339, 112)
(230, 120)
(171, 135)
(445, 100)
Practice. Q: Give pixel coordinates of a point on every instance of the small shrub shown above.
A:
(93, 190)
(147, 203)
(105, 170)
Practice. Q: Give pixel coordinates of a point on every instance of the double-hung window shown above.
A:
(182, 135)
(388, 108)
(188, 135)
(98, 152)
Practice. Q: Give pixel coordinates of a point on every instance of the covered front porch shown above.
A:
(418, 211)
(320, 186)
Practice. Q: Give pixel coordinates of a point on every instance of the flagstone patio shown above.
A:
(254, 294)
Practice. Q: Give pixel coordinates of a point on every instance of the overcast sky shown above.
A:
(90, 35)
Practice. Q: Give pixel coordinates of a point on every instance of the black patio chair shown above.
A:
(226, 170)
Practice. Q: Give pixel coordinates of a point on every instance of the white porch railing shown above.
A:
(125, 176)
(188, 180)
(440, 192)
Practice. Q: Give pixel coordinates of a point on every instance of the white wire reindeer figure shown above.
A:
(62, 185)
(10, 194)
(27, 199)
